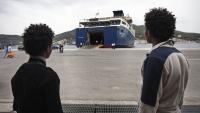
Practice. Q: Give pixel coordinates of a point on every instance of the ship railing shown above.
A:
(103, 19)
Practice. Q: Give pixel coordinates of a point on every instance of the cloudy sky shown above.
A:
(64, 15)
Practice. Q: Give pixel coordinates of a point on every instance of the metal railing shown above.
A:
(104, 108)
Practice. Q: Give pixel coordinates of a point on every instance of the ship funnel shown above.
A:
(118, 13)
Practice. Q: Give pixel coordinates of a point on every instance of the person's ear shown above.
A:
(49, 50)
(148, 36)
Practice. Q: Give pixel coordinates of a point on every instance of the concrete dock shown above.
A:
(97, 76)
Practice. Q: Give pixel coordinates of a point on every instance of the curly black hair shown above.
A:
(160, 23)
(37, 38)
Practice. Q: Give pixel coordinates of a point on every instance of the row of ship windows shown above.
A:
(104, 23)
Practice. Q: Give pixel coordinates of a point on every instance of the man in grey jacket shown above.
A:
(165, 69)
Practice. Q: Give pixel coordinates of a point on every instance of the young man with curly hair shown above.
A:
(35, 86)
(165, 69)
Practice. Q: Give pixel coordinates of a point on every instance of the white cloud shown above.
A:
(64, 15)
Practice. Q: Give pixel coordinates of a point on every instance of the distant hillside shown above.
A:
(69, 36)
(139, 32)
(188, 36)
(10, 39)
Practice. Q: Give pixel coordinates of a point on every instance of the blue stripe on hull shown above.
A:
(119, 35)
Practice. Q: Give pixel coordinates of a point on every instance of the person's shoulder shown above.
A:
(162, 53)
(50, 70)
(29, 66)
(51, 73)
(19, 71)
(49, 77)
(24, 65)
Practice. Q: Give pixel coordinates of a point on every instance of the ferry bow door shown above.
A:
(95, 38)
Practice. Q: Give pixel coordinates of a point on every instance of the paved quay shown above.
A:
(98, 76)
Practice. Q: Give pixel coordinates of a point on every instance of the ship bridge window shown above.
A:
(115, 22)
(106, 23)
(123, 22)
(103, 23)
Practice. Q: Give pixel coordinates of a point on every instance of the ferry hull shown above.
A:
(118, 35)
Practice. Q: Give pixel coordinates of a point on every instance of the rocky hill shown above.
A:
(139, 32)
(69, 36)
(10, 39)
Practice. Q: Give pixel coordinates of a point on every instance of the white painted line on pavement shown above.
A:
(194, 59)
(99, 102)
(70, 49)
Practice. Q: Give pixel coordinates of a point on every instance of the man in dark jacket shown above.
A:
(35, 86)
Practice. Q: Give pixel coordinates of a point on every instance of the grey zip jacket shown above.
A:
(165, 74)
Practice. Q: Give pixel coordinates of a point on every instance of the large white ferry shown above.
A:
(108, 31)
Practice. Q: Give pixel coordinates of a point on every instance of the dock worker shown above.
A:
(5, 51)
(61, 47)
(35, 86)
(113, 45)
(165, 69)
(81, 44)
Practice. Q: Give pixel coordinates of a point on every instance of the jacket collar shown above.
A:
(37, 59)
(168, 43)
